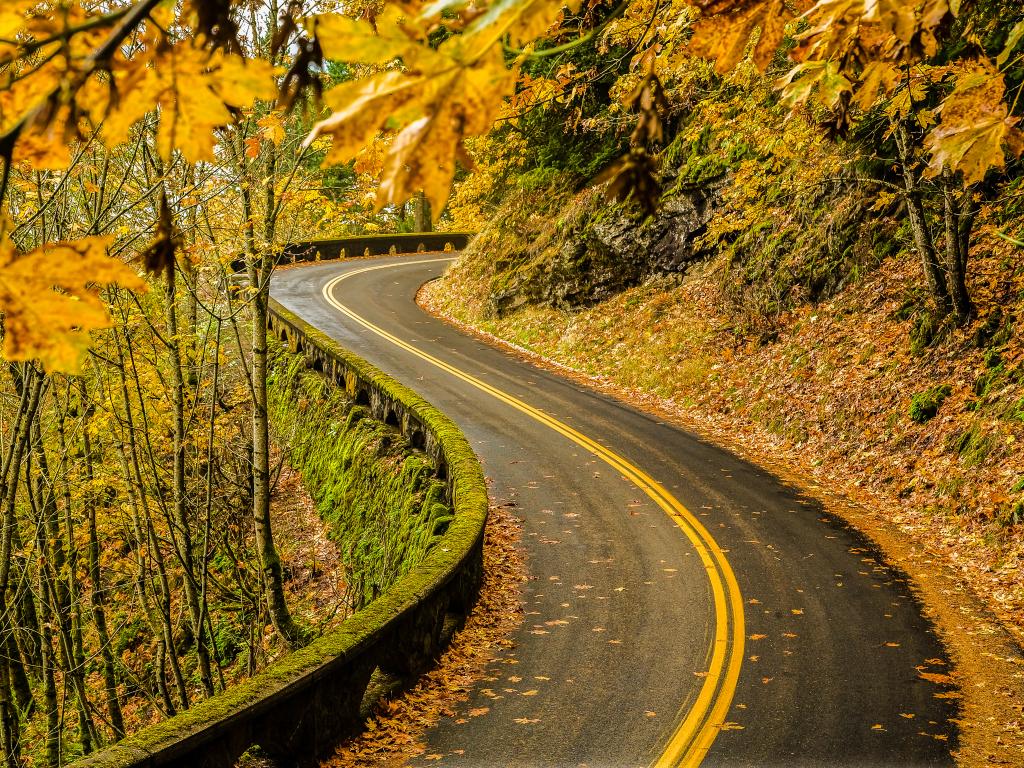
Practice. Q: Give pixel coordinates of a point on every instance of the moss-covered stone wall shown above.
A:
(380, 497)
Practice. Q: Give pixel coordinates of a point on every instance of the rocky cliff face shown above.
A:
(605, 250)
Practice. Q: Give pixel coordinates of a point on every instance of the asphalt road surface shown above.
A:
(684, 607)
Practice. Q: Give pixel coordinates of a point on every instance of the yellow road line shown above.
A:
(693, 737)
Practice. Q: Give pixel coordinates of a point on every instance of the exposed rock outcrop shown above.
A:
(604, 251)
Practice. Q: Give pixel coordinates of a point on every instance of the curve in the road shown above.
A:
(692, 739)
(616, 663)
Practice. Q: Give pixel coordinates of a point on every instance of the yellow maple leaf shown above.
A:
(272, 128)
(451, 93)
(976, 128)
(346, 39)
(50, 299)
(193, 90)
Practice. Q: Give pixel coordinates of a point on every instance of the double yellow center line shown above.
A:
(699, 726)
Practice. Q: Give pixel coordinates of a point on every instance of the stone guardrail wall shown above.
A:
(367, 245)
(300, 707)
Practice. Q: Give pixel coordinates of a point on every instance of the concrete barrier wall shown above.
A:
(367, 245)
(298, 709)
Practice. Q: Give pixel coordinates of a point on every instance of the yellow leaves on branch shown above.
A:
(50, 299)
(724, 38)
(821, 80)
(194, 91)
(976, 128)
(437, 99)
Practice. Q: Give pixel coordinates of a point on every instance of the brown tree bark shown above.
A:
(923, 240)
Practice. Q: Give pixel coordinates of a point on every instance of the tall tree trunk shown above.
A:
(956, 250)
(923, 240)
(97, 601)
(260, 264)
(31, 386)
(47, 601)
(182, 536)
(421, 220)
(66, 575)
(145, 524)
(57, 579)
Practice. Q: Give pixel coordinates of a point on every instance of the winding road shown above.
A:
(684, 607)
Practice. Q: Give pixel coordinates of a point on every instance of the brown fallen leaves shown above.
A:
(395, 731)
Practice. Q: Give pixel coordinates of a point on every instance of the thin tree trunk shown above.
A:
(923, 240)
(182, 537)
(31, 385)
(65, 575)
(46, 603)
(96, 596)
(260, 263)
(146, 528)
(956, 256)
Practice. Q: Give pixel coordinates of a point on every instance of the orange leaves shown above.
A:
(50, 299)
(976, 128)
(724, 38)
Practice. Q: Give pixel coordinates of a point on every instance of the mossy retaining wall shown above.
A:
(380, 497)
(300, 707)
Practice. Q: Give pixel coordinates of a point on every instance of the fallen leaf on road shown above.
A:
(477, 711)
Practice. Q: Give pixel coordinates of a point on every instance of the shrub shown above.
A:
(924, 405)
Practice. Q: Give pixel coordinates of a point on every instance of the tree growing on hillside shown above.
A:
(946, 107)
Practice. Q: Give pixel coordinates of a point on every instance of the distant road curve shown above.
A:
(685, 606)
